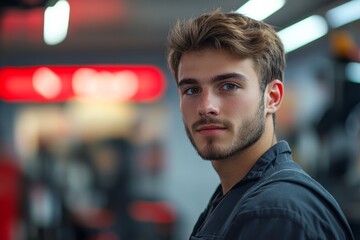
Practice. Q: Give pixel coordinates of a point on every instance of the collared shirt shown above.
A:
(275, 200)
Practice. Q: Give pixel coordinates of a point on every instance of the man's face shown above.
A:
(221, 103)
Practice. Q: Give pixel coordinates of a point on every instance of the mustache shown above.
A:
(209, 120)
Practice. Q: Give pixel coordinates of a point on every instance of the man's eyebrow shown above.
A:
(186, 81)
(229, 75)
(217, 78)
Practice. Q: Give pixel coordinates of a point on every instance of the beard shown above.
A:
(249, 133)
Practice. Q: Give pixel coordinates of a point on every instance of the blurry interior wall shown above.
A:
(184, 180)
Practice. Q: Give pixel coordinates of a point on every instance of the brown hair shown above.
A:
(233, 32)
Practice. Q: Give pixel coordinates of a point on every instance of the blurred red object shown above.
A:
(139, 83)
(147, 211)
(9, 198)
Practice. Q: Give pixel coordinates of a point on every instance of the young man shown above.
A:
(229, 70)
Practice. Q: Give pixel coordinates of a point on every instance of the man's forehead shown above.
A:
(211, 63)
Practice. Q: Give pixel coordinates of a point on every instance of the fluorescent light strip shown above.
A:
(56, 22)
(353, 72)
(343, 14)
(260, 9)
(303, 32)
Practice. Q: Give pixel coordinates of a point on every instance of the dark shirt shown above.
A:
(275, 200)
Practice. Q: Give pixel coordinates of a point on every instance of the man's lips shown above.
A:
(210, 129)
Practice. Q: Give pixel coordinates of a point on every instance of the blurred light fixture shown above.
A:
(303, 32)
(353, 72)
(116, 83)
(46, 83)
(260, 9)
(343, 14)
(56, 22)
(121, 85)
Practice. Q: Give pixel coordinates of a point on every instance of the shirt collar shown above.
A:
(266, 159)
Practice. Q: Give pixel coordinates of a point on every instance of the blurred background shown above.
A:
(92, 144)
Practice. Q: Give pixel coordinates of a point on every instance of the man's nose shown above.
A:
(208, 104)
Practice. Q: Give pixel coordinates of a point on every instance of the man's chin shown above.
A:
(205, 157)
(211, 154)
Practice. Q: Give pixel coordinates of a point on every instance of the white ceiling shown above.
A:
(124, 26)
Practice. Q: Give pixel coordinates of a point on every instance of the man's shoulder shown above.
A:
(293, 202)
(294, 196)
(288, 193)
(290, 189)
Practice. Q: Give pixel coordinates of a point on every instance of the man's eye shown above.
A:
(229, 86)
(191, 91)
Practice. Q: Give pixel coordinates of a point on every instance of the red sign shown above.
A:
(63, 83)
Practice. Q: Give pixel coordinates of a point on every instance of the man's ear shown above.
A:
(273, 96)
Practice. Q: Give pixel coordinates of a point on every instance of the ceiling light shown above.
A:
(260, 9)
(303, 32)
(56, 21)
(343, 14)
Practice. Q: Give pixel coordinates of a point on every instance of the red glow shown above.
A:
(20, 24)
(62, 83)
(158, 212)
